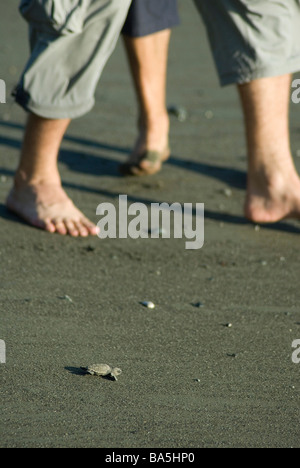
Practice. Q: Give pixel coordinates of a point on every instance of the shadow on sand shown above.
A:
(87, 163)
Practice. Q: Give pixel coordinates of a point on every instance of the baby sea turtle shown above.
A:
(103, 370)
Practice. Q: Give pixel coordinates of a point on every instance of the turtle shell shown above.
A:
(98, 369)
(102, 370)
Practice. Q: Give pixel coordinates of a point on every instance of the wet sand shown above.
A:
(188, 380)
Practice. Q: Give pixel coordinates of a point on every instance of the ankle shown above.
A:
(272, 169)
(156, 122)
(273, 184)
(24, 179)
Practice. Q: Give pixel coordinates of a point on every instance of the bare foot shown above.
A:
(151, 149)
(270, 202)
(48, 207)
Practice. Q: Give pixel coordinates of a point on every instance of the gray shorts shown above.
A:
(253, 39)
(71, 42)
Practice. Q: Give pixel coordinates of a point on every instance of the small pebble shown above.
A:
(209, 115)
(264, 263)
(233, 355)
(228, 325)
(197, 380)
(199, 305)
(227, 192)
(67, 298)
(3, 179)
(179, 112)
(257, 228)
(90, 248)
(148, 304)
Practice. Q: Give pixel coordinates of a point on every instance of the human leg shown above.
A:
(37, 195)
(255, 46)
(147, 34)
(148, 60)
(273, 191)
(69, 53)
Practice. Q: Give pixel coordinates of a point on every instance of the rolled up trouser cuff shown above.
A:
(67, 58)
(51, 112)
(252, 39)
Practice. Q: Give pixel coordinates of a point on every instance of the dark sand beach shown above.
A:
(188, 380)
